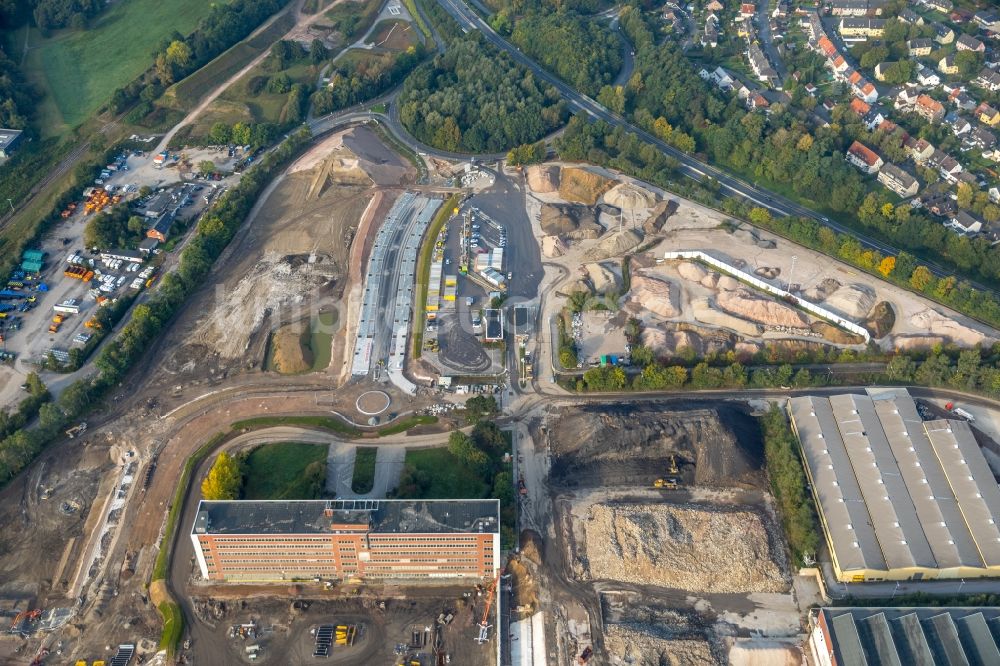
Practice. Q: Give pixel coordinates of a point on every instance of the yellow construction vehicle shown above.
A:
(669, 483)
(673, 465)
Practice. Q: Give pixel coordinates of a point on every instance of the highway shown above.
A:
(688, 165)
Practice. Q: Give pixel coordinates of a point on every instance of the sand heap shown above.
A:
(583, 186)
(615, 245)
(552, 246)
(656, 296)
(629, 197)
(692, 547)
(542, 178)
(692, 271)
(703, 311)
(629, 647)
(292, 354)
(669, 343)
(572, 222)
(937, 324)
(603, 279)
(720, 282)
(748, 305)
(852, 300)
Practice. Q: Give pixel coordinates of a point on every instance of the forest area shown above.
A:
(474, 99)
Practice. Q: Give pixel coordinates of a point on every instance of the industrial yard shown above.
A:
(662, 518)
(386, 629)
(589, 219)
(50, 311)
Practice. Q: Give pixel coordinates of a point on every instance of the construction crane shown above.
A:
(484, 625)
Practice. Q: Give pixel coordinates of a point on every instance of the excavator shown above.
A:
(673, 481)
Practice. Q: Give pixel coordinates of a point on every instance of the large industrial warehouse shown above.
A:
(896, 636)
(347, 539)
(899, 498)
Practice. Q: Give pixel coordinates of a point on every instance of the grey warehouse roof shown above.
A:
(889, 636)
(382, 516)
(895, 491)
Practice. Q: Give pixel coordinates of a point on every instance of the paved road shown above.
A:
(767, 41)
(688, 165)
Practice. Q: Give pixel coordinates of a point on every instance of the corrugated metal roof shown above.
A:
(972, 482)
(914, 643)
(935, 503)
(835, 485)
(877, 639)
(895, 520)
(979, 642)
(919, 636)
(896, 492)
(944, 641)
(847, 645)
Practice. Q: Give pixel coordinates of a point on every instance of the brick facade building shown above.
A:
(347, 539)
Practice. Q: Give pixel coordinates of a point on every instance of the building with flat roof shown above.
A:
(899, 498)
(896, 636)
(278, 540)
(9, 138)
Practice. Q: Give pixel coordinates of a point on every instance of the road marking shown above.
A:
(394, 10)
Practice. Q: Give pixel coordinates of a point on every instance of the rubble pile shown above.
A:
(693, 547)
(626, 645)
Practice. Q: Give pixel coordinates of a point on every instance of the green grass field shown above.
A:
(278, 471)
(449, 478)
(364, 469)
(264, 106)
(79, 70)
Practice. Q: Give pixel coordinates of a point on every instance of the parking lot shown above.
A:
(492, 229)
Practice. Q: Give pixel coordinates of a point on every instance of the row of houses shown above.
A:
(730, 84)
(842, 71)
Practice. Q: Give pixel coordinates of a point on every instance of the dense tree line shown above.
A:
(15, 95)
(178, 56)
(354, 80)
(54, 14)
(579, 50)
(214, 232)
(475, 99)
(789, 486)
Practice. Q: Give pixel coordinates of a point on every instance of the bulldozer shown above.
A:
(673, 481)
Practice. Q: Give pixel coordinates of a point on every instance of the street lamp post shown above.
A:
(961, 585)
(11, 204)
(895, 590)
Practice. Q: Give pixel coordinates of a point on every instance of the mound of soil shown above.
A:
(542, 178)
(615, 245)
(852, 300)
(573, 222)
(881, 320)
(292, 354)
(583, 186)
(659, 215)
(655, 295)
(629, 445)
(747, 305)
(630, 197)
